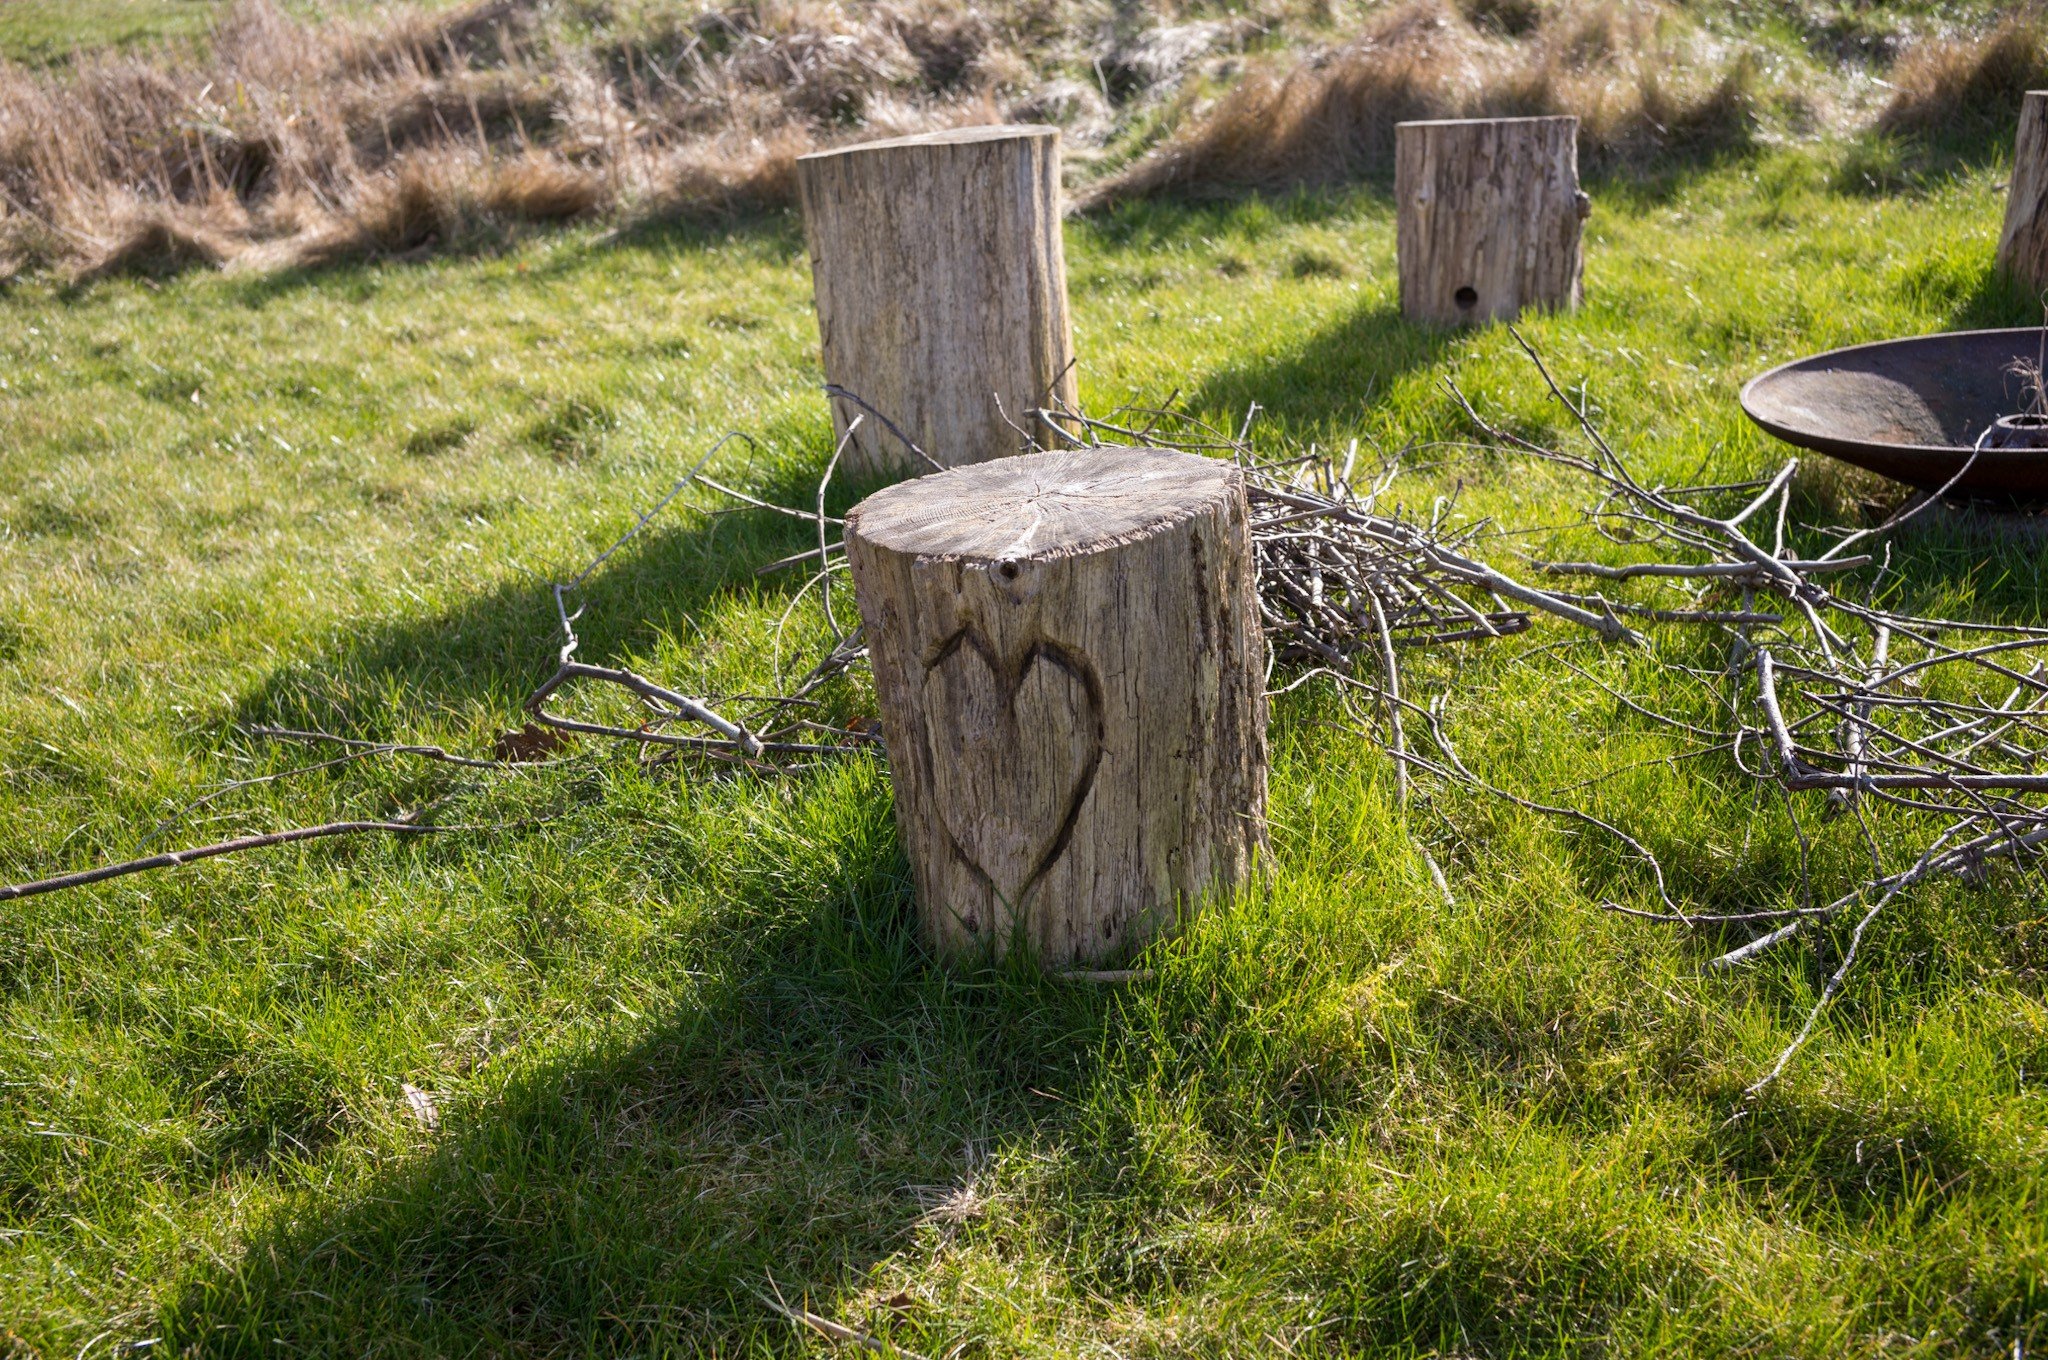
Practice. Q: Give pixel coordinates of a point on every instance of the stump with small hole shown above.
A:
(2023, 241)
(941, 287)
(1489, 218)
(1069, 663)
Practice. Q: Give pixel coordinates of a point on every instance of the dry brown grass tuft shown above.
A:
(153, 241)
(537, 188)
(733, 174)
(293, 143)
(418, 203)
(283, 142)
(1640, 81)
(1943, 82)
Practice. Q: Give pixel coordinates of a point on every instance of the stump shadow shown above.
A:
(1939, 148)
(1331, 377)
(347, 275)
(496, 646)
(827, 1096)
(1999, 300)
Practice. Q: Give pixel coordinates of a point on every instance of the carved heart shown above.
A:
(1014, 750)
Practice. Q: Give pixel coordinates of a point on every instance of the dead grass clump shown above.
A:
(538, 188)
(418, 204)
(953, 51)
(287, 142)
(1511, 18)
(731, 175)
(156, 242)
(1156, 59)
(1946, 83)
(291, 143)
(825, 63)
(26, 243)
(487, 32)
(1317, 121)
(1641, 82)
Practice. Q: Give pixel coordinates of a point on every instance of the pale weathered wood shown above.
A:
(1067, 652)
(941, 286)
(2023, 244)
(1489, 216)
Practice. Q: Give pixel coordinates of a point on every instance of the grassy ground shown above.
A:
(684, 1047)
(46, 30)
(42, 31)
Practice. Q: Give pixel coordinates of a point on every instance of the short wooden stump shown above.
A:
(2023, 240)
(1067, 652)
(941, 285)
(1488, 217)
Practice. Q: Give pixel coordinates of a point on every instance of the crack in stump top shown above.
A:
(1043, 505)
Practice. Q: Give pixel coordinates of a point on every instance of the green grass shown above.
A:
(686, 1048)
(40, 32)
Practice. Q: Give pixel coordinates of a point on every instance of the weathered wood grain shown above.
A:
(1067, 652)
(1489, 217)
(2023, 242)
(941, 288)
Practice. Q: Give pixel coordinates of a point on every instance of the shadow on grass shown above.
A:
(825, 1093)
(1334, 374)
(495, 647)
(1998, 300)
(1881, 163)
(1618, 186)
(358, 276)
(1330, 378)
(1145, 225)
(1337, 373)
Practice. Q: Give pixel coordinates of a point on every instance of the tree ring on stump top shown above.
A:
(961, 136)
(1043, 505)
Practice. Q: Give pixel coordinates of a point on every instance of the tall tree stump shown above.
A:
(941, 287)
(2023, 244)
(1067, 651)
(1489, 217)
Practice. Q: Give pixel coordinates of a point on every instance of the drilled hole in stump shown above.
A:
(1468, 296)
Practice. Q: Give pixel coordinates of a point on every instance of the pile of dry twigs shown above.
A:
(1820, 694)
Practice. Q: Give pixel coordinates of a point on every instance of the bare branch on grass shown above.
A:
(174, 859)
(1917, 718)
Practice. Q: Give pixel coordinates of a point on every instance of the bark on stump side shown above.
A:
(1489, 217)
(1067, 651)
(941, 287)
(2023, 243)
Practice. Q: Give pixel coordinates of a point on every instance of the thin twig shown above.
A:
(173, 859)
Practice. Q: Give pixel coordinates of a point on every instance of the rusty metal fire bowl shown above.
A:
(1914, 409)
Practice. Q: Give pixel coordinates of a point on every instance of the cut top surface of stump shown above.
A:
(963, 136)
(1043, 505)
(1559, 118)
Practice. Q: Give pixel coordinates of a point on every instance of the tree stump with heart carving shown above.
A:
(941, 286)
(1071, 672)
(2023, 241)
(1488, 217)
